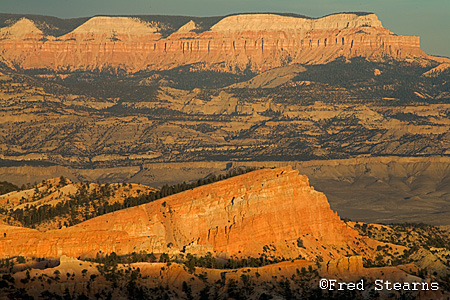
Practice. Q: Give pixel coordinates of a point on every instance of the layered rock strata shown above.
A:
(256, 41)
(269, 211)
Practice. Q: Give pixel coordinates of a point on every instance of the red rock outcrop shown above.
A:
(271, 211)
(258, 41)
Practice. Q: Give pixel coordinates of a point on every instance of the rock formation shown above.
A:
(258, 41)
(269, 211)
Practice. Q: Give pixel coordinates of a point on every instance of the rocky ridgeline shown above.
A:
(258, 41)
(270, 211)
(206, 243)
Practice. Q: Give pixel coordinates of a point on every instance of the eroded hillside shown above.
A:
(167, 127)
(266, 232)
(109, 121)
(232, 43)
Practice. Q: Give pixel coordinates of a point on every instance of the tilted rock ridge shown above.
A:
(237, 42)
(269, 211)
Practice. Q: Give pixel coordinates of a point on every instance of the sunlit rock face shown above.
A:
(238, 42)
(270, 211)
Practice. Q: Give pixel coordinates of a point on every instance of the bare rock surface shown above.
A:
(271, 211)
(258, 41)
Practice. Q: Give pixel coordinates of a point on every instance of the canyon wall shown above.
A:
(238, 42)
(269, 211)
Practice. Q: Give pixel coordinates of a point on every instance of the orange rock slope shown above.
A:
(258, 41)
(271, 211)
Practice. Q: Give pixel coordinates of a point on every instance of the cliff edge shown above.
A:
(238, 42)
(270, 211)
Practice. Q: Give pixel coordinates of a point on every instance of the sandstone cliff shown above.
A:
(258, 41)
(270, 211)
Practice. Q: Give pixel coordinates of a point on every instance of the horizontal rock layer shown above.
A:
(271, 211)
(256, 41)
